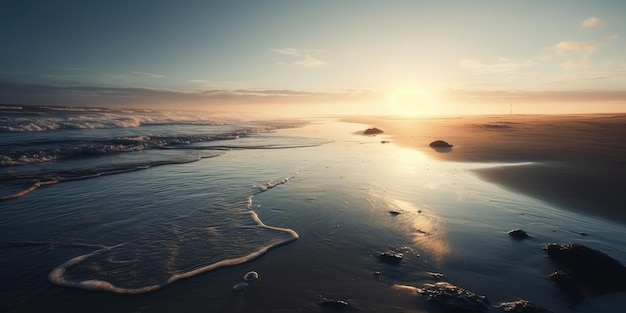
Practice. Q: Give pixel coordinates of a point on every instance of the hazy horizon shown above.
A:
(404, 58)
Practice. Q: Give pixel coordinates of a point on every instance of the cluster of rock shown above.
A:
(390, 257)
(452, 298)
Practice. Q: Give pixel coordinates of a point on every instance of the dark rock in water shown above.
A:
(240, 286)
(522, 306)
(338, 305)
(390, 257)
(251, 276)
(394, 213)
(594, 270)
(454, 299)
(568, 287)
(518, 234)
(440, 144)
(373, 131)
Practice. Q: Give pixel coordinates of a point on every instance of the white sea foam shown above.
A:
(58, 275)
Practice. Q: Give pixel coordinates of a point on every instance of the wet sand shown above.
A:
(578, 162)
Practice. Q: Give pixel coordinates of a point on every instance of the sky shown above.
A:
(389, 57)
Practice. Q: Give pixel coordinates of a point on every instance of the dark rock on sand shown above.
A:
(454, 299)
(373, 131)
(390, 257)
(522, 306)
(593, 269)
(440, 144)
(334, 304)
(518, 234)
(394, 213)
(570, 290)
(385, 141)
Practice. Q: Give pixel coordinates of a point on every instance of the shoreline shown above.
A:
(578, 160)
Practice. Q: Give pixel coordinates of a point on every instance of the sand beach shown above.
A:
(575, 162)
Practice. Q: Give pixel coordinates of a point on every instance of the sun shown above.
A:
(410, 102)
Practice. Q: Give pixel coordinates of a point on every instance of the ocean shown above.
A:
(110, 210)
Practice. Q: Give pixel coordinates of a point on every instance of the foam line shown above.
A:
(28, 190)
(57, 276)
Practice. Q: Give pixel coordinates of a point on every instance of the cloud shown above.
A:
(582, 62)
(147, 75)
(592, 22)
(287, 51)
(567, 47)
(30, 94)
(470, 63)
(499, 65)
(546, 96)
(310, 61)
(305, 57)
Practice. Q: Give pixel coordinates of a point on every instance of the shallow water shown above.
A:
(176, 218)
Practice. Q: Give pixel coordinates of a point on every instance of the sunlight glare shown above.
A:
(410, 102)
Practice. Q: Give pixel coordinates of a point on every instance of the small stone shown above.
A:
(436, 275)
(394, 213)
(373, 131)
(250, 276)
(240, 286)
(518, 234)
(440, 144)
(390, 257)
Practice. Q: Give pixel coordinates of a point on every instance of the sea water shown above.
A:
(174, 209)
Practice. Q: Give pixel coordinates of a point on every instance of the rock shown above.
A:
(518, 234)
(240, 286)
(373, 131)
(435, 275)
(522, 306)
(454, 299)
(594, 270)
(251, 276)
(385, 141)
(338, 305)
(390, 257)
(440, 144)
(568, 287)
(394, 213)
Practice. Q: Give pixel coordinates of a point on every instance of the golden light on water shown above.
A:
(425, 228)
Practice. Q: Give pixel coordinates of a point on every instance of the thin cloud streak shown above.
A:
(566, 47)
(147, 75)
(500, 65)
(592, 22)
(15, 93)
